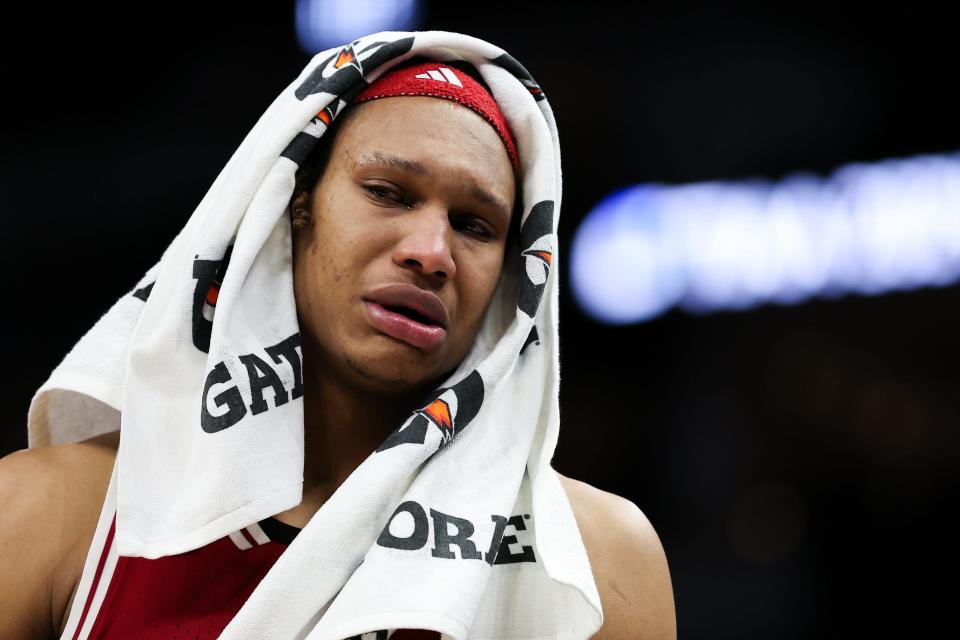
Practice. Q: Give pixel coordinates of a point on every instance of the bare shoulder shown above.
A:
(628, 562)
(51, 499)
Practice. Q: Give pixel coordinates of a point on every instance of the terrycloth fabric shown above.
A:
(457, 522)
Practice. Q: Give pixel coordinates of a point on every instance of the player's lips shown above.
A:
(408, 313)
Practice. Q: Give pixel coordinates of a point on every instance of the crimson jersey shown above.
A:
(190, 595)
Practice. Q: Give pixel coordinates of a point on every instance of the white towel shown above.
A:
(461, 528)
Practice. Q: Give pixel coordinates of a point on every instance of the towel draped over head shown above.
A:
(457, 522)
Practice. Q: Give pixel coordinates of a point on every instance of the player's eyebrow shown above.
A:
(486, 197)
(388, 160)
(412, 166)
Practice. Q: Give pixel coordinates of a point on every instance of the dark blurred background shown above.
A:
(799, 463)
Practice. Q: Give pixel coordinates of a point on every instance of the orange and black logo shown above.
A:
(342, 75)
(343, 71)
(345, 57)
(209, 276)
(449, 410)
(536, 235)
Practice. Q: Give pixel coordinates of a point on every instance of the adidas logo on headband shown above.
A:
(440, 75)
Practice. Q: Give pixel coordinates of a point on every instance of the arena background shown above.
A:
(799, 463)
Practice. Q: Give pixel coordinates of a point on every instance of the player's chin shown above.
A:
(394, 367)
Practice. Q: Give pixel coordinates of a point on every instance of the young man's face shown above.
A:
(410, 220)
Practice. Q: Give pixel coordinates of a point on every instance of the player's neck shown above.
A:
(342, 427)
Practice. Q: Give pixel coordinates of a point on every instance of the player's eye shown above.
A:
(474, 226)
(381, 192)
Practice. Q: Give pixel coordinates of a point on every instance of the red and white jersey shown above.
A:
(192, 595)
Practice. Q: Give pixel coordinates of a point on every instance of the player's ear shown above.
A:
(300, 210)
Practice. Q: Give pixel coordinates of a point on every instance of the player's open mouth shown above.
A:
(407, 312)
(404, 323)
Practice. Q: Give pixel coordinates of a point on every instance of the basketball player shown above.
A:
(412, 238)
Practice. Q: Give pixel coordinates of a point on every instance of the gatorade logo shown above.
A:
(449, 411)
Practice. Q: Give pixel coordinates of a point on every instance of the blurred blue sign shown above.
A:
(323, 24)
(867, 229)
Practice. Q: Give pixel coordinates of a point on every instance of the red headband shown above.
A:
(438, 80)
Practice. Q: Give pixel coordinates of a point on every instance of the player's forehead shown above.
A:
(420, 135)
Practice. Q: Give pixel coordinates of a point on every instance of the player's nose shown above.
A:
(425, 245)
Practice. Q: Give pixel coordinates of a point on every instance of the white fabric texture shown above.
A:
(200, 367)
